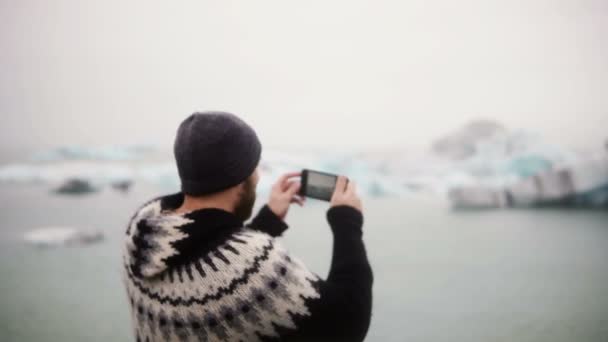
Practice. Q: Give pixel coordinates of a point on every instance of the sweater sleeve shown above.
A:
(268, 222)
(343, 310)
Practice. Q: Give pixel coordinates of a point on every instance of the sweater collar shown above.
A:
(158, 238)
(206, 218)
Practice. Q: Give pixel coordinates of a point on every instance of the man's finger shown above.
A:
(289, 184)
(285, 177)
(340, 184)
(351, 187)
(293, 188)
(297, 200)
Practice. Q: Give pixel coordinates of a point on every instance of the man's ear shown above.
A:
(237, 189)
(241, 188)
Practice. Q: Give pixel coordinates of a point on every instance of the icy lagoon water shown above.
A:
(439, 275)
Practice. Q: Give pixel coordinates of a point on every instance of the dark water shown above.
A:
(439, 275)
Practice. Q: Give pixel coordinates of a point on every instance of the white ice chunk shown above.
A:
(62, 236)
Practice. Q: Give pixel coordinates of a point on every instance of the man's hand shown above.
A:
(283, 193)
(346, 194)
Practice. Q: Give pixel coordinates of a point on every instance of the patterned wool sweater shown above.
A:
(207, 276)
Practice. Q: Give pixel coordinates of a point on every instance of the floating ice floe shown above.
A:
(122, 185)
(75, 186)
(62, 236)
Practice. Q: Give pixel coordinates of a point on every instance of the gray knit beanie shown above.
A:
(214, 151)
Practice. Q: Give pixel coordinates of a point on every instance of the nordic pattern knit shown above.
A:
(206, 276)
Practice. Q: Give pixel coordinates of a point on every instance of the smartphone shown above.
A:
(318, 185)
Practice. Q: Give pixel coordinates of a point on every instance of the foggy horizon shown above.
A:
(313, 75)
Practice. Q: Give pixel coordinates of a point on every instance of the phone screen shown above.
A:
(320, 185)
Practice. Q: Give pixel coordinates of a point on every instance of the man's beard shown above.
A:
(244, 206)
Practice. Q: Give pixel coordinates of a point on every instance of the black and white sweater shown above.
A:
(207, 276)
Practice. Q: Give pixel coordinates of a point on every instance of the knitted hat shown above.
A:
(214, 151)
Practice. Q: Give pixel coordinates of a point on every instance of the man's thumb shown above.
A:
(293, 188)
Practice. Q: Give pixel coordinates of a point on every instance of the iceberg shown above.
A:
(492, 167)
(112, 152)
(462, 143)
(583, 184)
(111, 167)
(477, 198)
(370, 180)
(59, 174)
(501, 168)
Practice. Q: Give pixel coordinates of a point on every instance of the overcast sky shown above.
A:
(303, 73)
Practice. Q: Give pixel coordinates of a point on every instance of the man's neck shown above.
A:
(193, 203)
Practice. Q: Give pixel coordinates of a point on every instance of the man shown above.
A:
(195, 272)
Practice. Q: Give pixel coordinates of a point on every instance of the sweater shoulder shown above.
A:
(249, 286)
